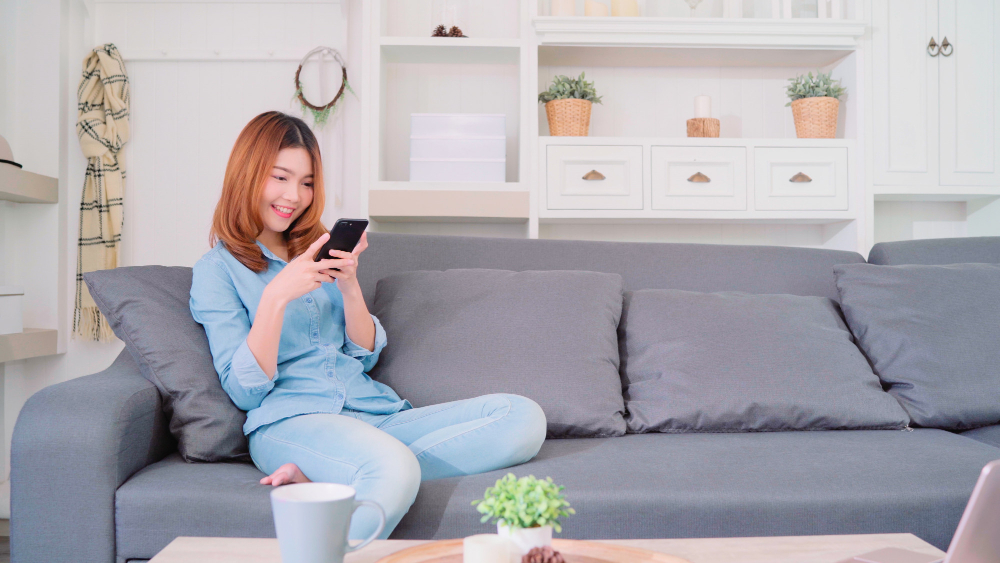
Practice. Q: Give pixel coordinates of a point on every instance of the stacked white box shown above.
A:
(458, 147)
(10, 309)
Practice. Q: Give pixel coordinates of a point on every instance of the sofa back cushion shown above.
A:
(734, 362)
(965, 250)
(147, 307)
(642, 265)
(933, 335)
(549, 336)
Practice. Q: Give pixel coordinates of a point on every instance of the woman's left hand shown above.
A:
(347, 280)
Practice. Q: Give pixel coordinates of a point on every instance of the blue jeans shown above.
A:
(385, 457)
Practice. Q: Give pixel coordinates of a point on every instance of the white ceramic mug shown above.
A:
(312, 521)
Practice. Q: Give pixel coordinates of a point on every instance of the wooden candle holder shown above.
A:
(703, 127)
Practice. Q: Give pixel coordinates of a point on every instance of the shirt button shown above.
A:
(309, 299)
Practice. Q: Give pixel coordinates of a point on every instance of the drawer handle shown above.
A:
(699, 178)
(800, 178)
(593, 175)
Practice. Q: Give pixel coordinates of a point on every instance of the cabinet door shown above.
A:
(905, 91)
(970, 120)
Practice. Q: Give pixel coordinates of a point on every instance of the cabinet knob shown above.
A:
(932, 48)
(699, 178)
(593, 175)
(800, 178)
(946, 45)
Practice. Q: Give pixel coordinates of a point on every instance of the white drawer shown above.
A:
(614, 172)
(701, 178)
(800, 179)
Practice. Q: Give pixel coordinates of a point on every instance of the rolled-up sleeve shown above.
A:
(368, 358)
(216, 305)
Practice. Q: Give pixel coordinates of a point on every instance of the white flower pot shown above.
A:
(526, 538)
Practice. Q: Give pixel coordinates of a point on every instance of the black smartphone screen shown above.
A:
(344, 235)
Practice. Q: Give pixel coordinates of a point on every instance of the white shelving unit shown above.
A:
(648, 69)
(23, 187)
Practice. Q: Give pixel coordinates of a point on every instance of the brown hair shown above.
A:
(237, 221)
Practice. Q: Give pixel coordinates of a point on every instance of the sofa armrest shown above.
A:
(74, 444)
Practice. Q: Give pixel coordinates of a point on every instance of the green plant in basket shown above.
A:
(809, 86)
(524, 503)
(564, 87)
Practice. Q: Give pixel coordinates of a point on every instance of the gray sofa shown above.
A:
(95, 475)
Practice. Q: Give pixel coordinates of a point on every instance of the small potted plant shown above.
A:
(567, 105)
(526, 510)
(815, 104)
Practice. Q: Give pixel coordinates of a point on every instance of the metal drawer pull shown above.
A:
(699, 178)
(946, 45)
(593, 175)
(800, 178)
(932, 48)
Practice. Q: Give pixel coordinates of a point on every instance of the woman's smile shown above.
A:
(281, 211)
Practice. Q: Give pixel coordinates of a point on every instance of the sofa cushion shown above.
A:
(735, 362)
(147, 307)
(172, 498)
(931, 333)
(986, 434)
(634, 486)
(549, 336)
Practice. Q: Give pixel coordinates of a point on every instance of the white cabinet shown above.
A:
(936, 118)
(699, 177)
(801, 178)
(594, 177)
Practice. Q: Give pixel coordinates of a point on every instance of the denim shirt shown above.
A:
(320, 370)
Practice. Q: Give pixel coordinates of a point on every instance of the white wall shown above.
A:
(185, 116)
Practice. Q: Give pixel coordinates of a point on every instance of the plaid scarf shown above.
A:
(102, 125)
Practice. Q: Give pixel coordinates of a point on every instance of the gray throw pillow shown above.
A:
(147, 307)
(547, 335)
(933, 335)
(736, 362)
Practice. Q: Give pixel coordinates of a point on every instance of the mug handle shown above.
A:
(381, 524)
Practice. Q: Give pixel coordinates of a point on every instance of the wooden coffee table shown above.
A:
(792, 549)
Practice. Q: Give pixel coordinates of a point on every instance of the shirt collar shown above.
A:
(268, 253)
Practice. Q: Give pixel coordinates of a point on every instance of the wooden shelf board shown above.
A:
(22, 186)
(465, 50)
(735, 33)
(452, 186)
(448, 205)
(31, 343)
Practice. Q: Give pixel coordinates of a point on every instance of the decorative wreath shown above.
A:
(321, 114)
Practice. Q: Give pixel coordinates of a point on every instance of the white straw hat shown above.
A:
(6, 155)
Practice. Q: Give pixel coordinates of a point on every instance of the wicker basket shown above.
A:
(816, 118)
(569, 117)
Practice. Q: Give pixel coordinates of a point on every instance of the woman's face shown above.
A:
(288, 190)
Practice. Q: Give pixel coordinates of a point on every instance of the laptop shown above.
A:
(977, 539)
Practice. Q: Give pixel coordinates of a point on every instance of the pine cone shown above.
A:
(455, 32)
(543, 555)
(439, 31)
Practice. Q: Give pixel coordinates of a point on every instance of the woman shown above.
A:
(292, 340)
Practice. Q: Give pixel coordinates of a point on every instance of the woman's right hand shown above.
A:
(303, 275)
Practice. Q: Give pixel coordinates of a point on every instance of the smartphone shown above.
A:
(344, 235)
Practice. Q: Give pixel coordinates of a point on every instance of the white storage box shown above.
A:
(458, 147)
(10, 309)
(490, 148)
(458, 125)
(457, 170)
